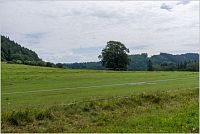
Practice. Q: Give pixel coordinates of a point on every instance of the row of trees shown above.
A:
(115, 57)
(182, 66)
(85, 65)
(37, 63)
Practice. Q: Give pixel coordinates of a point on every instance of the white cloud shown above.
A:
(57, 29)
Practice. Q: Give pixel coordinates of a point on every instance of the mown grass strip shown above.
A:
(132, 83)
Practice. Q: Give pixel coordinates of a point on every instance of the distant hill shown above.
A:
(12, 51)
(175, 59)
(181, 62)
(138, 62)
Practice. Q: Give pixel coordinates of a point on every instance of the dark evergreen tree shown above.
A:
(149, 65)
(49, 64)
(59, 65)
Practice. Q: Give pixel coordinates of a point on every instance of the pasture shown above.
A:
(97, 101)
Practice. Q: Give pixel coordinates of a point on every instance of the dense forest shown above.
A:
(12, 52)
(182, 62)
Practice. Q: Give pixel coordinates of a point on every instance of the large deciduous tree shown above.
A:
(115, 56)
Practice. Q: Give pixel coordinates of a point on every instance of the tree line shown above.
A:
(139, 62)
(113, 57)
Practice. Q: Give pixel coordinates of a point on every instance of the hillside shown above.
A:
(138, 62)
(175, 59)
(12, 51)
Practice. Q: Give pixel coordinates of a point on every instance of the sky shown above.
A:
(77, 31)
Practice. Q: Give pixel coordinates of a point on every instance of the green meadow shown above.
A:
(41, 99)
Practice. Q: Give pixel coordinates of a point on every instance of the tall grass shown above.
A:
(147, 112)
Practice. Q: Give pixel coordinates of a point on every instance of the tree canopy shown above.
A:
(114, 56)
(12, 51)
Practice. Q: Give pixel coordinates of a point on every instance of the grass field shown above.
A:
(36, 99)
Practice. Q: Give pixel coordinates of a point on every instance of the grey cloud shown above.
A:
(34, 38)
(104, 14)
(88, 50)
(139, 47)
(34, 35)
(173, 28)
(169, 28)
(69, 58)
(166, 7)
(184, 2)
(61, 27)
(191, 44)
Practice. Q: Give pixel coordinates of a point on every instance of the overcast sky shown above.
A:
(67, 31)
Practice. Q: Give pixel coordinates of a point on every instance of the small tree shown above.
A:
(149, 66)
(49, 64)
(114, 56)
(59, 65)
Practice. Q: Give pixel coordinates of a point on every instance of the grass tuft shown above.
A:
(155, 112)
